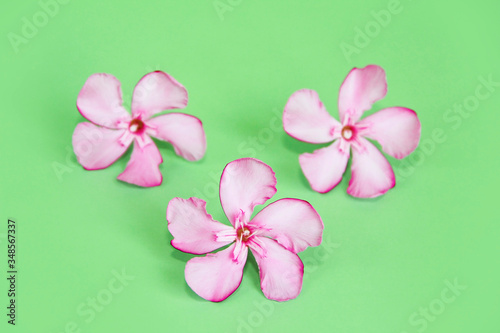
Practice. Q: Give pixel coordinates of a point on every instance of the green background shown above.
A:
(382, 260)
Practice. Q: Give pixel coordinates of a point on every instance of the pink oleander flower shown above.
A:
(100, 143)
(275, 235)
(397, 129)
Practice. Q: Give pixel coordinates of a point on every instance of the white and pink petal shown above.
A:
(97, 147)
(216, 276)
(100, 101)
(293, 223)
(305, 118)
(245, 183)
(361, 88)
(281, 271)
(194, 230)
(371, 173)
(183, 131)
(325, 166)
(156, 92)
(397, 129)
(143, 166)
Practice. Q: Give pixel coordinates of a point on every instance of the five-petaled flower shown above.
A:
(100, 143)
(397, 129)
(275, 235)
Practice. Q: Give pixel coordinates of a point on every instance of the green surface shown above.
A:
(382, 262)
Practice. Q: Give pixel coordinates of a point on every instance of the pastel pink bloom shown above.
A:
(100, 143)
(275, 235)
(397, 129)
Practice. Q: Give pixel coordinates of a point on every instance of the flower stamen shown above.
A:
(136, 126)
(243, 234)
(347, 132)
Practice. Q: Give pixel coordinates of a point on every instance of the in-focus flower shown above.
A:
(397, 129)
(112, 129)
(275, 235)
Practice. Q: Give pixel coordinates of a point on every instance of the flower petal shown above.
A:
(216, 276)
(142, 169)
(100, 101)
(245, 183)
(183, 131)
(361, 88)
(397, 129)
(305, 118)
(372, 175)
(324, 167)
(293, 223)
(280, 270)
(194, 230)
(97, 147)
(156, 92)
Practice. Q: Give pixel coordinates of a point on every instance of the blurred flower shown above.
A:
(397, 129)
(100, 143)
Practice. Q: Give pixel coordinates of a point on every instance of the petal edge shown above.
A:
(100, 101)
(244, 184)
(155, 92)
(281, 271)
(183, 131)
(194, 230)
(397, 129)
(325, 167)
(293, 223)
(306, 119)
(143, 167)
(372, 175)
(97, 147)
(216, 276)
(361, 88)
